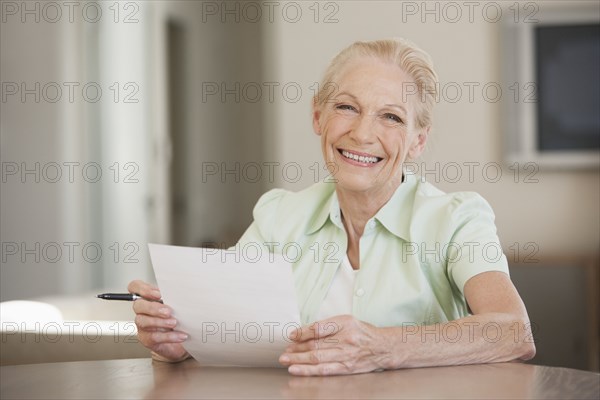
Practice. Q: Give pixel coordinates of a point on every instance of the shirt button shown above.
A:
(360, 292)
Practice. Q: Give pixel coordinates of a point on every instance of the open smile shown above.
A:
(359, 158)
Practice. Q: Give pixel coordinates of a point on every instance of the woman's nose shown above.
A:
(362, 129)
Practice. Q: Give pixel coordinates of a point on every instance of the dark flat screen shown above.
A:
(568, 84)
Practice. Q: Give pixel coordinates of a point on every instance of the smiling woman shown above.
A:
(367, 132)
(404, 277)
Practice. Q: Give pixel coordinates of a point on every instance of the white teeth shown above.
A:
(362, 159)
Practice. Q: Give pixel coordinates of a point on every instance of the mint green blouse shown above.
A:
(416, 253)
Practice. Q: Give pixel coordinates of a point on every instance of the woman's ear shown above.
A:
(316, 115)
(418, 145)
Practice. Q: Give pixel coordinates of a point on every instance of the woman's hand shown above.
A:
(156, 325)
(338, 345)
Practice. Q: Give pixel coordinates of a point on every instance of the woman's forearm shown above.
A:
(482, 338)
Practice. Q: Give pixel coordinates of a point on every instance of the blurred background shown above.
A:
(129, 122)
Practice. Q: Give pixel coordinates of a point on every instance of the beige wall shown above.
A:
(559, 213)
(105, 132)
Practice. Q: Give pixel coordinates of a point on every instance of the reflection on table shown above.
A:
(143, 378)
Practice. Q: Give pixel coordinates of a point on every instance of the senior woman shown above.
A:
(401, 279)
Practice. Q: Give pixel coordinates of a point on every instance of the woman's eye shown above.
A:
(392, 118)
(345, 107)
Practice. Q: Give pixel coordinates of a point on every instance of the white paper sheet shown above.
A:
(237, 309)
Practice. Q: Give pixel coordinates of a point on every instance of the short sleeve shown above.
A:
(474, 247)
(265, 216)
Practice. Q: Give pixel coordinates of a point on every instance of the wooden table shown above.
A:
(144, 379)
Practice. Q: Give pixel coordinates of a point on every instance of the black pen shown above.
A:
(123, 296)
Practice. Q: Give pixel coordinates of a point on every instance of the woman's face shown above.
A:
(367, 127)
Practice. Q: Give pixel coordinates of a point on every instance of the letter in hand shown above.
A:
(156, 325)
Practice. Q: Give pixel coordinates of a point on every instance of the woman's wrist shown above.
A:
(158, 357)
(392, 343)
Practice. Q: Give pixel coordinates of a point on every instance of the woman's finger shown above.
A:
(331, 342)
(145, 322)
(151, 308)
(303, 346)
(152, 339)
(333, 368)
(317, 330)
(144, 289)
(312, 357)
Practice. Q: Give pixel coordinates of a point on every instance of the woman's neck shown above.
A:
(359, 207)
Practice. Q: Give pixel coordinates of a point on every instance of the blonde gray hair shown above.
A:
(401, 52)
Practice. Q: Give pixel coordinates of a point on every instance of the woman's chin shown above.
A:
(355, 183)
